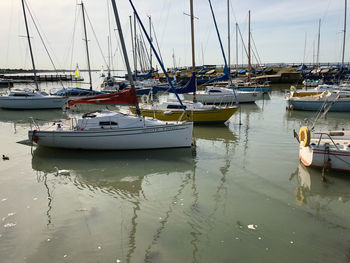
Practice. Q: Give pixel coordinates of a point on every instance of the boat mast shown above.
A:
(156, 55)
(109, 42)
(249, 63)
(236, 45)
(132, 40)
(228, 34)
(30, 46)
(125, 54)
(318, 43)
(109, 57)
(150, 48)
(222, 49)
(86, 44)
(342, 59)
(135, 41)
(193, 52)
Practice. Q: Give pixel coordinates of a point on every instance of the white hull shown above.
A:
(31, 103)
(212, 98)
(171, 135)
(325, 154)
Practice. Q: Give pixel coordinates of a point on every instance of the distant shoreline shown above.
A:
(240, 66)
(15, 71)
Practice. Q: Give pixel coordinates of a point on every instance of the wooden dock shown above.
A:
(44, 77)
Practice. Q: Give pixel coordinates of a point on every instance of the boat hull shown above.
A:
(340, 106)
(208, 98)
(322, 157)
(32, 103)
(259, 89)
(196, 116)
(175, 135)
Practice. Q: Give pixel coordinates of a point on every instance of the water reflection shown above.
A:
(311, 190)
(248, 108)
(42, 178)
(119, 174)
(26, 116)
(333, 120)
(122, 175)
(214, 133)
(112, 171)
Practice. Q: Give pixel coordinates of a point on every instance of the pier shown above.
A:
(44, 77)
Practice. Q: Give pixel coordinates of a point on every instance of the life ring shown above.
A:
(144, 99)
(304, 136)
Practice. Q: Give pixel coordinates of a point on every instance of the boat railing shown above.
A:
(187, 114)
(327, 135)
(33, 123)
(220, 101)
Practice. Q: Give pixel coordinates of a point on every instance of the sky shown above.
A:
(283, 31)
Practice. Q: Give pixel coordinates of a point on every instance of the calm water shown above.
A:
(239, 196)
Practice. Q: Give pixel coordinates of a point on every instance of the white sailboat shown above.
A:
(217, 95)
(30, 99)
(324, 97)
(113, 130)
(110, 130)
(330, 150)
(220, 95)
(102, 73)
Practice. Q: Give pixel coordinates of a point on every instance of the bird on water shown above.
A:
(61, 172)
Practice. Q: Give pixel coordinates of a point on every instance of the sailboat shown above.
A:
(197, 112)
(30, 99)
(80, 92)
(327, 150)
(219, 95)
(77, 76)
(324, 97)
(102, 73)
(143, 83)
(110, 130)
(326, 101)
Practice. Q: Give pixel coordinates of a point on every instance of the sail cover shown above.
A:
(145, 76)
(223, 77)
(77, 92)
(190, 86)
(125, 97)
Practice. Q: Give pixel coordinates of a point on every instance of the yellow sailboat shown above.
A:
(196, 112)
(77, 76)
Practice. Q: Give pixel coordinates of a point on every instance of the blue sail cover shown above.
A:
(224, 77)
(189, 87)
(147, 75)
(77, 92)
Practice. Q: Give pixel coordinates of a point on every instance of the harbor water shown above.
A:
(239, 194)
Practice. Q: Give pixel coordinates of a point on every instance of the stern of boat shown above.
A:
(305, 154)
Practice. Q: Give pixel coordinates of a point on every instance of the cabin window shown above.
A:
(214, 91)
(20, 95)
(108, 123)
(175, 107)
